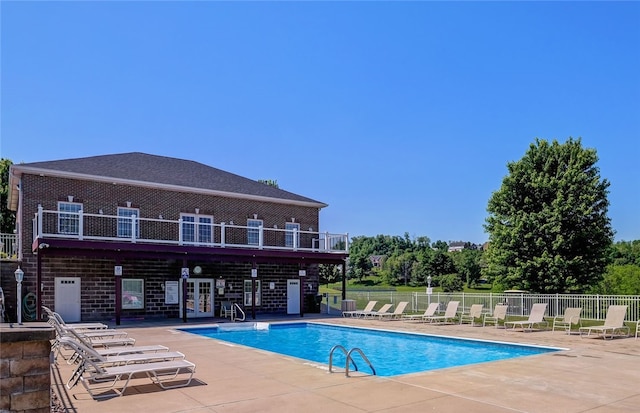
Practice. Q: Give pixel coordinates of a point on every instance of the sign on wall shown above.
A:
(171, 292)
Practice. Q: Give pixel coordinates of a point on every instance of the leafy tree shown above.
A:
(329, 273)
(398, 267)
(548, 225)
(620, 279)
(467, 264)
(7, 217)
(626, 252)
(360, 266)
(451, 283)
(270, 182)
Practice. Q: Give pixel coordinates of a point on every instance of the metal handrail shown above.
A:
(349, 359)
(235, 308)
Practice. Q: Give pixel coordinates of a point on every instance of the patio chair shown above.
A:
(570, 318)
(87, 352)
(536, 318)
(358, 313)
(92, 340)
(383, 310)
(226, 309)
(637, 328)
(429, 312)
(613, 324)
(499, 314)
(449, 314)
(80, 326)
(397, 313)
(105, 378)
(475, 313)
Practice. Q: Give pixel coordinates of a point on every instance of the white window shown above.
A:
(69, 223)
(132, 293)
(248, 293)
(197, 228)
(253, 232)
(291, 229)
(128, 222)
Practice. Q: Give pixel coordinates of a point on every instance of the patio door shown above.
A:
(293, 296)
(199, 297)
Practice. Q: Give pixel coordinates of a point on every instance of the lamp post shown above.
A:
(429, 291)
(19, 277)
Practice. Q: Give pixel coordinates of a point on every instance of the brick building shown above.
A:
(123, 235)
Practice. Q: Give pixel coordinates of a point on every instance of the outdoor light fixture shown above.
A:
(19, 277)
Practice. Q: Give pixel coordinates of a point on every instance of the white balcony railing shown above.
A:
(100, 227)
(8, 246)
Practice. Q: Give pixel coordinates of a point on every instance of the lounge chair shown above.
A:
(358, 313)
(429, 312)
(637, 328)
(613, 325)
(475, 313)
(111, 360)
(397, 313)
(383, 310)
(100, 377)
(499, 314)
(449, 314)
(80, 326)
(536, 318)
(570, 318)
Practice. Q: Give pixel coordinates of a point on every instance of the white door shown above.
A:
(199, 297)
(67, 298)
(293, 296)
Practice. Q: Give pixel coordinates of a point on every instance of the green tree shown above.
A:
(451, 283)
(270, 182)
(7, 217)
(620, 279)
(548, 226)
(329, 273)
(467, 264)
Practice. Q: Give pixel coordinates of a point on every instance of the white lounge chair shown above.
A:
(613, 325)
(536, 318)
(570, 318)
(397, 312)
(429, 312)
(358, 313)
(637, 328)
(78, 326)
(499, 314)
(383, 310)
(89, 353)
(100, 377)
(475, 313)
(449, 314)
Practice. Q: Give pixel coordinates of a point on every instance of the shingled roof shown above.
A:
(141, 168)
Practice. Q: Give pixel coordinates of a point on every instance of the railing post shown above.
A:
(222, 234)
(40, 220)
(133, 228)
(260, 237)
(326, 241)
(295, 239)
(80, 225)
(180, 235)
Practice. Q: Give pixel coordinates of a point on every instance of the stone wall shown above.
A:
(25, 378)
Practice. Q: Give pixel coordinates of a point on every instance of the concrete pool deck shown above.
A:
(593, 375)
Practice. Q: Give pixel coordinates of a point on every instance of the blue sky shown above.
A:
(401, 116)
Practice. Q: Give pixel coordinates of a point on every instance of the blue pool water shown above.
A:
(391, 353)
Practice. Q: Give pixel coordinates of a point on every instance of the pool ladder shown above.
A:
(349, 359)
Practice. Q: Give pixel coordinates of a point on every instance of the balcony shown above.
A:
(8, 246)
(81, 226)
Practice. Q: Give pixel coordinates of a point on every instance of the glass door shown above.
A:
(199, 298)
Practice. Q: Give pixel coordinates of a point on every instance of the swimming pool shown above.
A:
(391, 353)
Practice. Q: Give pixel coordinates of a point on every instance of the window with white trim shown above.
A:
(132, 293)
(248, 293)
(291, 228)
(197, 228)
(69, 222)
(253, 232)
(128, 221)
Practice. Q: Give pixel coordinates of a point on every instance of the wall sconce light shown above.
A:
(160, 216)
(310, 228)
(275, 226)
(70, 198)
(230, 222)
(197, 210)
(162, 286)
(100, 211)
(128, 204)
(255, 216)
(293, 220)
(19, 274)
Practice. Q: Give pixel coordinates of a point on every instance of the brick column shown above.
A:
(25, 377)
